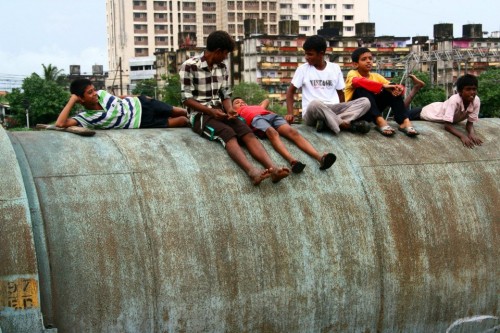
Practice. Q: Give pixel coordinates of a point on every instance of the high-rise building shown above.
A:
(137, 29)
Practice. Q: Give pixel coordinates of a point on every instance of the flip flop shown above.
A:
(327, 161)
(297, 166)
(384, 129)
(409, 131)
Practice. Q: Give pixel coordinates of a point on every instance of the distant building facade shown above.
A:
(140, 28)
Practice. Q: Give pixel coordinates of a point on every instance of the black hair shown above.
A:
(78, 86)
(358, 52)
(235, 98)
(220, 40)
(466, 80)
(315, 43)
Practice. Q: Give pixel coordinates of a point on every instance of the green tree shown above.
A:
(147, 87)
(171, 92)
(52, 73)
(43, 98)
(427, 94)
(251, 92)
(489, 93)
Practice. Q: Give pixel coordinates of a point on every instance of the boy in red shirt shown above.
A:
(273, 126)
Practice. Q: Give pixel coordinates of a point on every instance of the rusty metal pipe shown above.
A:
(159, 231)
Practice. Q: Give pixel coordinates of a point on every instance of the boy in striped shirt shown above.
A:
(106, 111)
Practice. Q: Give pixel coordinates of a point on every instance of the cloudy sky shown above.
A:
(70, 32)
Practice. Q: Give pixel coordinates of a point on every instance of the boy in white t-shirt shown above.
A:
(323, 102)
(463, 105)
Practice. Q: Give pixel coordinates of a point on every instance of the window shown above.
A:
(349, 28)
(330, 17)
(304, 6)
(329, 6)
(348, 6)
(304, 17)
(348, 17)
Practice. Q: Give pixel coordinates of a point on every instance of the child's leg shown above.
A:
(414, 114)
(293, 135)
(278, 145)
(179, 121)
(417, 85)
(317, 110)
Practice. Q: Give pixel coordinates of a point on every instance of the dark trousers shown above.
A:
(378, 102)
(414, 114)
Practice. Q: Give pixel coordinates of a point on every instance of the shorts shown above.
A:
(263, 122)
(155, 114)
(220, 130)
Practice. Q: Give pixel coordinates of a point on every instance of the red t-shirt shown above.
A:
(249, 112)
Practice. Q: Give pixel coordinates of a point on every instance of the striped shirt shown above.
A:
(116, 113)
(207, 86)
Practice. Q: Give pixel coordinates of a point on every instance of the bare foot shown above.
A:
(416, 81)
(279, 173)
(257, 176)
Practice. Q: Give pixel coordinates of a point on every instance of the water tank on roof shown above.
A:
(365, 29)
(419, 40)
(254, 27)
(74, 70)
(289, 27)
(97, 70)
(443, 31)
(331, 29)
(472, 31)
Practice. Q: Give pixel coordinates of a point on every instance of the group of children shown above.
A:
(327, 101)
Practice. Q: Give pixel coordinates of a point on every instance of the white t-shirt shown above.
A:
(451, 110)
(319, 85)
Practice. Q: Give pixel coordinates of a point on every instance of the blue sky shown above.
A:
(67, 32)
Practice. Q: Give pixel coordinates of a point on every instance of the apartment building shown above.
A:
(137, 29)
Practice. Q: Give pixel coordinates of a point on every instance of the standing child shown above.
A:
(463, 105)
(106, 111)
(273, 126)
(361, 82)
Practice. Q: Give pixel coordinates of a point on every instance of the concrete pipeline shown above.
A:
(159, 231)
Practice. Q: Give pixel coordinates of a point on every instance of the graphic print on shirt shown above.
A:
(321, 84)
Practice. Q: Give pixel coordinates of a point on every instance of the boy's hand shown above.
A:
(218, 114)
(475, 140)
(232, 114)
(75, 99)
(395, 89)
(289, 118)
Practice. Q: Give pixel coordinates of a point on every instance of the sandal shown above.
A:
(409, 131)
(327, 161)
(297, 166)
(384, 129)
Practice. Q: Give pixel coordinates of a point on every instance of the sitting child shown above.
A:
(106, 111)
(460, 106)
(361, 82)
(273, 126)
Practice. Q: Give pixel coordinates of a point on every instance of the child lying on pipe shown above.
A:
(106, 111)
(273, 126)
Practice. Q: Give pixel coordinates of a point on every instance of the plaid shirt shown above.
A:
(208, 87)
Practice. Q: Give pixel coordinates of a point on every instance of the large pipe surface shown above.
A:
(159, 231)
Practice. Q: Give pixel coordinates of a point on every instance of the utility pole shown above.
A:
(121, 79)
